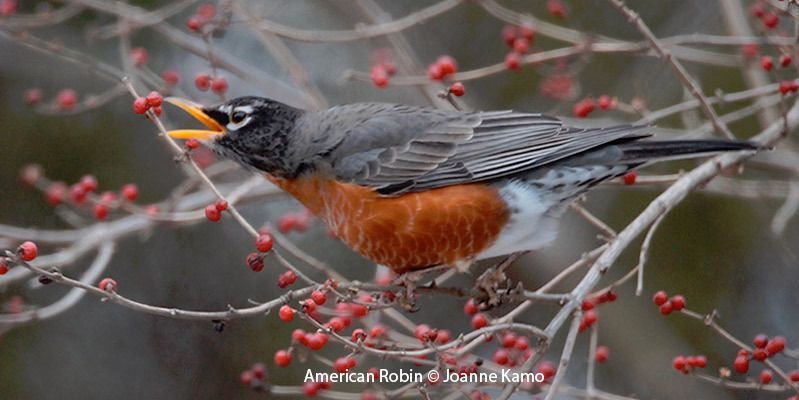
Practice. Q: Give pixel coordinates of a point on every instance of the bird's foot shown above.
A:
(494, 283)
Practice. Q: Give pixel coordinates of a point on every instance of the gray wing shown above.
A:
(397, 149)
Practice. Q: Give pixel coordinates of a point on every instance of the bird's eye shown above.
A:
(237, 117)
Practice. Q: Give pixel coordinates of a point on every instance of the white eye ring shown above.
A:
(237, 118)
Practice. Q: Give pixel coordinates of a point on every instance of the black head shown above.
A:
(253, 131)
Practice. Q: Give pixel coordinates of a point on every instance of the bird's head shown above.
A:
(254, 131)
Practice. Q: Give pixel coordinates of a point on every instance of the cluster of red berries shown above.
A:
(8, 7)
(253, 377)
(790, 86)
(685, 364)
(217, 84)
(139, 56)
(56, 192)
(767, 63)
(760, 11)
(425, 334)
(298, 221)
(518, 39)
(514, 350)
(65, 100)
(153, 101)
(311, 340)
(108, 285)
(765, 347)
(442, 68)
(381, 73)
(607, 296)
(286, 278)
(587, 105)
(666, 304)
(311, 388)
(203, 16)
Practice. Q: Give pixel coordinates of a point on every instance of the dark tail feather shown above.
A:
(643, 152)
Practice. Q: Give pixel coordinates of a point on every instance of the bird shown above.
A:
(411, 187)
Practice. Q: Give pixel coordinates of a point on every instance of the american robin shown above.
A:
(412, 187)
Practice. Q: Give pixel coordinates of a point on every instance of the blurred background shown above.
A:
(717, 250)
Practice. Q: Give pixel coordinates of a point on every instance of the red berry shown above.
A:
(770, 20)
(509, 34)
(246, 378)
(700, 362)
(775, 345)
(479, 321)
(588, 304)
(139, 56)
(509, 340)
(108, 285)
(527, 32)
(766, 63)
(343, 364)
(130, 192)
(457, 89)
(584, 107)
(741, 364)
(100, 211)
(660, 298)
(757, 9)
(8, 7)
(547, 369)
(677, 302)
(606, 102)
(212, 213)
(444, 336)
(219, 85)
(448, 65)
(319, 297)
(522, 343)
(258, 370)
(286, 313)
(66, 99)
(602, 354)
(28, 251)
(298, 336)
(282, 358)
(377, 331)
(512, 61)
(203, 82)
(206, 11)
(788, 86)
(56, 193)
(358, 334)
(33, 96)
(336, 324)
(630, 178)
(470, 308)
(140, 105)
(317, 340)
(785, 60)
(379, 76)
(759, 354)
(170, 77)
(521, 45)
(194, 23)
(794, 376)
(760, 341)
(154, 99)
(750, 50)
(264, 243)
(766, 376)
(679, 363)
(3, 266)
(286, 279)
(501, 356)
(556, 8)
(89, 183)
(254, 260)
(192, 144)
(666, 308)
(434, 72)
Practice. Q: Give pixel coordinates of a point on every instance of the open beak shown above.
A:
(196, 111)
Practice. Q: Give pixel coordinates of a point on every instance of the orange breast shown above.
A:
(407, 232)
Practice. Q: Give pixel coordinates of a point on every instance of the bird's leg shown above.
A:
(490, 280)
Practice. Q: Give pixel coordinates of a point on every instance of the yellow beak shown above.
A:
(196, 111)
